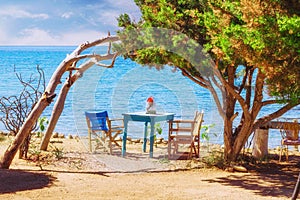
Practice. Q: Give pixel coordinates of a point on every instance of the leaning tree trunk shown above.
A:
(57, 110)
(68, 64)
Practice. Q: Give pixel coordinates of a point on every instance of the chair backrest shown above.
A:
(97, 120)
(291, 130)
(198, 122)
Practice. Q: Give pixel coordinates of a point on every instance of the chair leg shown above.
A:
(280, 153)
(102, 143)
(176, 148)
(198, 149)
(287, 153)
(90, 140)
(169, 149)
(192, 148)
(114, 139)
(110, 147)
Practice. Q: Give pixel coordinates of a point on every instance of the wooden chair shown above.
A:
(185, 132)
(103, 130)
(290, 137)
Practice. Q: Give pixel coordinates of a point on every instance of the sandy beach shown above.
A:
(79, 174)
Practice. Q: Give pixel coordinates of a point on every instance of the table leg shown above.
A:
(145, 137)
(124, 138)
(151, 139)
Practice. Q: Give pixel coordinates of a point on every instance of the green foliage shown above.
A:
(205, 135)
(263, 37)
(58, 152)
(42, 121)
(206, 131)
(157, 130)
(214, 159)
(35, 151)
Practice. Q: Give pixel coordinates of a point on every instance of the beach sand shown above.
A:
(79, 174)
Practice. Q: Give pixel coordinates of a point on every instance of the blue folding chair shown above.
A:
(103, 130)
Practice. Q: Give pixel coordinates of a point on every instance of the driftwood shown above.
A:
(68, 65)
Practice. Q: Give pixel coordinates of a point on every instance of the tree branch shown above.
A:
(235, 94)
(268, 102)
(217, 100)
(261, 121)
(201, 81)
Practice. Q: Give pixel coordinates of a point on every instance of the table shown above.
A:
(143, 117)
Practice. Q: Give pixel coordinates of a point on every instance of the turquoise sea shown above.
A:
(123, 88)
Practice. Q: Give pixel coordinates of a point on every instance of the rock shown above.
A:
(165, 142)
(55, 135)
(136, 140)
(229, 169)
(70, 136)
(239, 168)
(159, 140)
(61, 136)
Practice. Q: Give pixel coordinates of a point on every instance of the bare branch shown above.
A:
(217, 100)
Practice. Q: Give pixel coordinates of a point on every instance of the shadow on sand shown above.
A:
(20, 180)
(271, 179)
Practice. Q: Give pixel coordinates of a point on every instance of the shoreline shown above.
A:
(139, 141)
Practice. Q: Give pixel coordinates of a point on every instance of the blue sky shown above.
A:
(60, 22)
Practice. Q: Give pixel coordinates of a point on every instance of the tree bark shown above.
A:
(57, 110)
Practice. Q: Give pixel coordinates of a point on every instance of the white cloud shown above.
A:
(34, 36)
(67, 15)
(37, 36)
(79, 37)
(69, 23)
(3, 37)
(15, 12)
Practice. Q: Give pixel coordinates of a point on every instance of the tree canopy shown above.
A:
(255, 46)
(253, 33)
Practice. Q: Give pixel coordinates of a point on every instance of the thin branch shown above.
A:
(258, 96)
(111, 64)
(242, 86)
(217, 100)
(268, 102)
